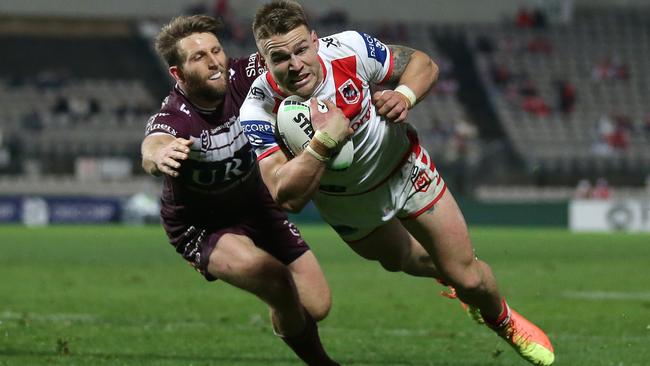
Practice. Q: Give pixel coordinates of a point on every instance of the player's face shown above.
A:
(203, 75)
(292, 59)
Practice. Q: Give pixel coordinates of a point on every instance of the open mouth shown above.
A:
(216, 76)
(301, 80)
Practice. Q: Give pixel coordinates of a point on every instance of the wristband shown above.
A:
(320, 148)
(411, 99)
(325, 138)
(316, 155)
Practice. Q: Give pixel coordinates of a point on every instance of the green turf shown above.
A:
(121, 296)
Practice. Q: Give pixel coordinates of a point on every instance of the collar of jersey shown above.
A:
(277, 89)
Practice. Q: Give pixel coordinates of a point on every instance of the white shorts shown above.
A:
(411, 189)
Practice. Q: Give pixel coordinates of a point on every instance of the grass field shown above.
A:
(121, 296)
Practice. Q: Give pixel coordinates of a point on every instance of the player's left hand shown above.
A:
(333, 121)
(391, 104)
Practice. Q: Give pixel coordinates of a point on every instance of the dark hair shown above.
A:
(180, 27)
(278, 17)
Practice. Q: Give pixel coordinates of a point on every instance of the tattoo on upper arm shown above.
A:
(401, 57)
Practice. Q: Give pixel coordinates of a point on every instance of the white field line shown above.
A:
(606, 295)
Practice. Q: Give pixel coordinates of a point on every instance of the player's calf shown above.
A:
(307, 345)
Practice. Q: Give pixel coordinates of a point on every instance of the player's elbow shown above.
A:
(434, 70)
(287, 197)
(291, 209)
(289, 203)
(292, 206)
(429, 73)
(431, 68)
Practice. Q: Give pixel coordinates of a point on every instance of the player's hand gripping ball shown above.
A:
(294, 131)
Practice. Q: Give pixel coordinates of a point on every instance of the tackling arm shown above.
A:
(162, 154)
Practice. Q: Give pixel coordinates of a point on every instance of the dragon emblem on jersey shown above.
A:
(349, 92)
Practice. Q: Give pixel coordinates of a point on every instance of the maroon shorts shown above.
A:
(268, 227)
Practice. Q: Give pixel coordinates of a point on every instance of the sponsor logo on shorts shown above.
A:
(292, 228)
(420, 179)
(191, 249)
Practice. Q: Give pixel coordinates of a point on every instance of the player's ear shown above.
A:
(314, 38)
(176, 73)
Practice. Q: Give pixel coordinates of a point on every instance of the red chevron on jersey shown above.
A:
(348, 86)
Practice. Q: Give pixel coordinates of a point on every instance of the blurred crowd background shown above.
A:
(536, 101)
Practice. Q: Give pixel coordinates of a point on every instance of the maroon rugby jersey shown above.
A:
(222, 169)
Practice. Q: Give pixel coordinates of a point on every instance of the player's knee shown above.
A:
(274, 274)
(405, 262)
(463, 279)
(321, 309)
(470, 283)
(278, 289)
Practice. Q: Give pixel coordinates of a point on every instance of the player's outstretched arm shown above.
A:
(414, 73)
(163, 154)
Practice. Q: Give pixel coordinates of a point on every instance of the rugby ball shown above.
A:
(294, 130)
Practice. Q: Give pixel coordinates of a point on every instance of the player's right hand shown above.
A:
(333, 121)
(168, 159)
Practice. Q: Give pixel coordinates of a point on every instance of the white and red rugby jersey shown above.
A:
(351, 61)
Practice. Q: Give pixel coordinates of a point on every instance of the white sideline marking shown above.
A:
(606, 295)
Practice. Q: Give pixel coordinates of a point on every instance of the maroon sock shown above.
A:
(502, 319)
(307, 345)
